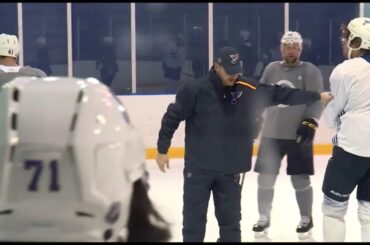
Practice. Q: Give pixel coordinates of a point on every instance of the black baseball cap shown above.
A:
(229, 59)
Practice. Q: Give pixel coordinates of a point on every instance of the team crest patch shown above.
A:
(234, 58)
(235, 96)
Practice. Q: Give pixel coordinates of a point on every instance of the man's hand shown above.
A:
(326, 97)
(163, 161)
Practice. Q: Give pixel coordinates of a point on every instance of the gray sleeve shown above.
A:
(41, 73)
(24, 71)
(265, 75)
(314, 82)
(30, 71)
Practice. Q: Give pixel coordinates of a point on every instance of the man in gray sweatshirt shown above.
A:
(288, 131)
(9, 68)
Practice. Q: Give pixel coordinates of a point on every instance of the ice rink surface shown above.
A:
(167, 189)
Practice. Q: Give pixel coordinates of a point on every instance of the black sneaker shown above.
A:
(262, 224)
(305, 225)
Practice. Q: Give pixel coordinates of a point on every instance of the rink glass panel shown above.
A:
(8, 19)
(319, 25)
(101, 41)
(165, 29)
(45, 37)
(254, 28)
(166, 44)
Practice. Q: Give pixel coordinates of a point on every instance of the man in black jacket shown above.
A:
(221, 112)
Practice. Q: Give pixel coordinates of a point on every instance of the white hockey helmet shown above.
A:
(359, 27)
(9, 45)
(68, 159)
(291, 37)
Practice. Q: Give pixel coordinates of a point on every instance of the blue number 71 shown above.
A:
(38, 166)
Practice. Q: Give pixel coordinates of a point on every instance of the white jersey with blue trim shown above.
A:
(349, 111)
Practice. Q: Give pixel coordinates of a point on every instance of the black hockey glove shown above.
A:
(306, 131)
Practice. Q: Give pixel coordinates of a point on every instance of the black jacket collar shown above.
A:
(216, 81)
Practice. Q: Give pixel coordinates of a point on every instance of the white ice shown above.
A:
(167, 189)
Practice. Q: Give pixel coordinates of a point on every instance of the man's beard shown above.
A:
(291, 62)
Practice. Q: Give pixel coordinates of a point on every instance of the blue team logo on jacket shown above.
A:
(235, 96)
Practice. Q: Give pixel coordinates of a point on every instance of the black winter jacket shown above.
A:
(220, 120)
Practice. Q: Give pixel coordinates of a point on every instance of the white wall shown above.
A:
(146, 112)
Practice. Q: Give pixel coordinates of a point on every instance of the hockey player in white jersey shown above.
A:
(349, 114)
(288, 131)
(9, 68)
(71, 165)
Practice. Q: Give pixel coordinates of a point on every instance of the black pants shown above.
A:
(344, 172)
(226, 192)
(107, 77)
(272, 151)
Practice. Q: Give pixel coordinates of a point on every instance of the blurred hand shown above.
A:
(326, 97)
(163, 161)
(257, 126)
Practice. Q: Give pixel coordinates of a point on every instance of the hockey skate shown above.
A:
(304, 229)
(261, 228)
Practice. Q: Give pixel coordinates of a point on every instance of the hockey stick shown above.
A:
(242, 181)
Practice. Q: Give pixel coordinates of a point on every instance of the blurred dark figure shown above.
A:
(343, 42)
(260, 67)
(311, 53)
(173, 59)
(198, 51)
(220, 43)
(107, 61)
(42, 56)
(274, 51)
(247, 55)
